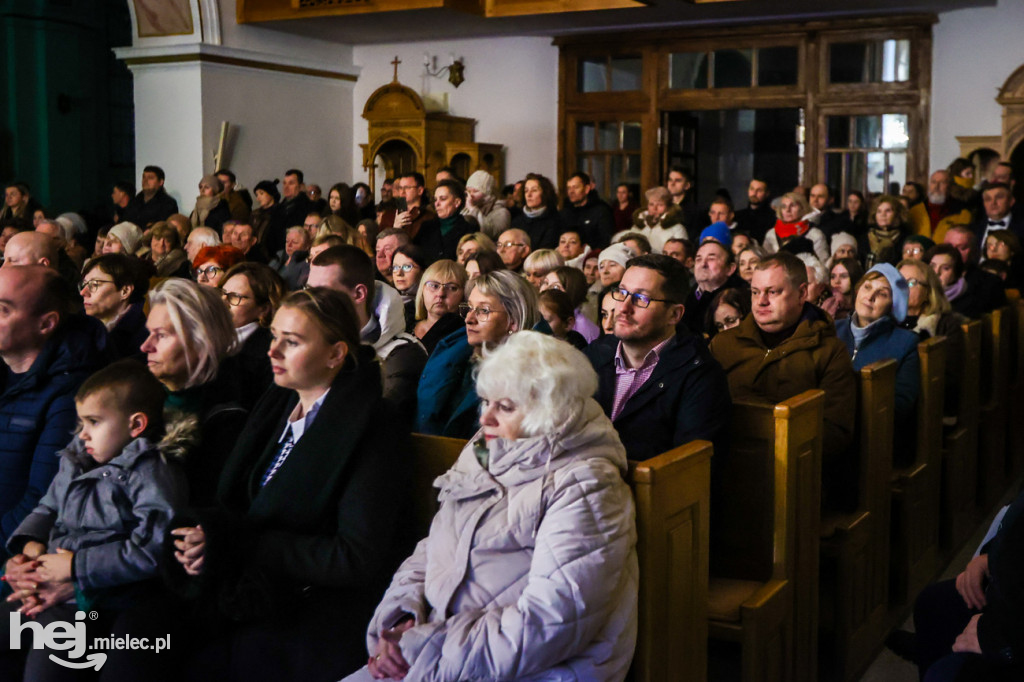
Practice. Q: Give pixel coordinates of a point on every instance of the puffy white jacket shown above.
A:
(529, 570)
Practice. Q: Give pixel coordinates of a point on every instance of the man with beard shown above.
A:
(759, 217)
(933, 216)
(659, 385)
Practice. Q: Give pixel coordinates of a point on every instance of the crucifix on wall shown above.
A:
(396, 62)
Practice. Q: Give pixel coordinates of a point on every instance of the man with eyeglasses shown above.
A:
(381, 320)
(787, 346)
(660, 387)
(514, 247)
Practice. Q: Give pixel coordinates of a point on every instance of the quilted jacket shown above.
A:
(529, 571)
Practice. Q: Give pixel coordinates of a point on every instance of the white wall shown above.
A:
(974, 52)
(511, 89)
(169, 126)
(279, 121)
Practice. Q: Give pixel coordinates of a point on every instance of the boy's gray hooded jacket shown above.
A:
(113, 516)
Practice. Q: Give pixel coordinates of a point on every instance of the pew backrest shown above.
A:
(673, 500)
(432, 456)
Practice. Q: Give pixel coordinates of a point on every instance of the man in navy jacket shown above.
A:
(660, 387)
(47, 353)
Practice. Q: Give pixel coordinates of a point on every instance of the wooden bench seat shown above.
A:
(764, 589)
(992, 416)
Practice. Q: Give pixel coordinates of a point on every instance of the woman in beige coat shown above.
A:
(529, 571)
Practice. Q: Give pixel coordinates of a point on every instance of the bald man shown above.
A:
(31, 248)
(514, 247)
(47, 352)
(825, 217)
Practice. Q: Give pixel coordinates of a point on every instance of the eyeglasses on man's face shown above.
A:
(481, 313)
(232, 298)
(638, 300)
(510, 245)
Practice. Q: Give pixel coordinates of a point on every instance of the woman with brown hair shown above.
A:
(540, 219)
(292, 561)
(888, 223)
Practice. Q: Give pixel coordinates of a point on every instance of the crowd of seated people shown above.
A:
(296, 341)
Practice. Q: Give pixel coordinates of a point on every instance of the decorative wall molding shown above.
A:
(136, 57)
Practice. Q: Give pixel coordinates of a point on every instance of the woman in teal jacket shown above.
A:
(498, 304)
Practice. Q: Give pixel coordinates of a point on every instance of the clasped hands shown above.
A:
(190, 548)
(389, 663)
(39, 580)
(971, 586)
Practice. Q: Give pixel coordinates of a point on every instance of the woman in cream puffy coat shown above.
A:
(529, 571)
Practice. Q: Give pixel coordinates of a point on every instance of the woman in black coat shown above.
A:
(540, 218)
(307, 531)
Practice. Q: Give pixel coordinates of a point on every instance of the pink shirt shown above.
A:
(628, 380)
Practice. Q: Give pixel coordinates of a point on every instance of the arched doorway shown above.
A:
(461, 164)
(395, 158)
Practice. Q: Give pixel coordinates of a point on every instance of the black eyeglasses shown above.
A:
(232, 298)
(638, 300)
(209, 272)
(93, 284)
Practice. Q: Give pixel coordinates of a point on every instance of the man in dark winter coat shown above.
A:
(47, 353)
(153, 203)
(660, 386)
(585, 213)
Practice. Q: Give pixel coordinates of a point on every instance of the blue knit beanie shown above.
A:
(900, 289)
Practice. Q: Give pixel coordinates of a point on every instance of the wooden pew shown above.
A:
(1015, 406)
(992, 417)
(915, 489)
(432, 456)
(957, 514)
(673, 500)
(855, 546)
(763, 594)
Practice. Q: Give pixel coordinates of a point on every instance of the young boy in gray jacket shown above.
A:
(95, 539)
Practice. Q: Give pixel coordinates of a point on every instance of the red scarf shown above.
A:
(790, 230)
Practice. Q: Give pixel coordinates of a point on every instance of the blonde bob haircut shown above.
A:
(798, 198)
(442, 271)
(548, 379)
(543, 261)
(482, 240)
(201, 322)
(517, 296)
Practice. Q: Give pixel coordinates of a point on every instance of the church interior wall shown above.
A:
(511, 89)
(974, 52)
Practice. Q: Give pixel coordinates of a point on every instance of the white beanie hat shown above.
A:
(483, 181)
(617, 253)
(129, 235)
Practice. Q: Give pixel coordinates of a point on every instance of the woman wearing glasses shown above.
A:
(929, 314)
(407, 265)
(307, 529)
(441, 290)
(212, 263)
(252, 292)
(498, 304)
(114, 291)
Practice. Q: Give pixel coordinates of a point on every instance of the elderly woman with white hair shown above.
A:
(529, 571)
(661, 220)
(497, 305)
(190, 336)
